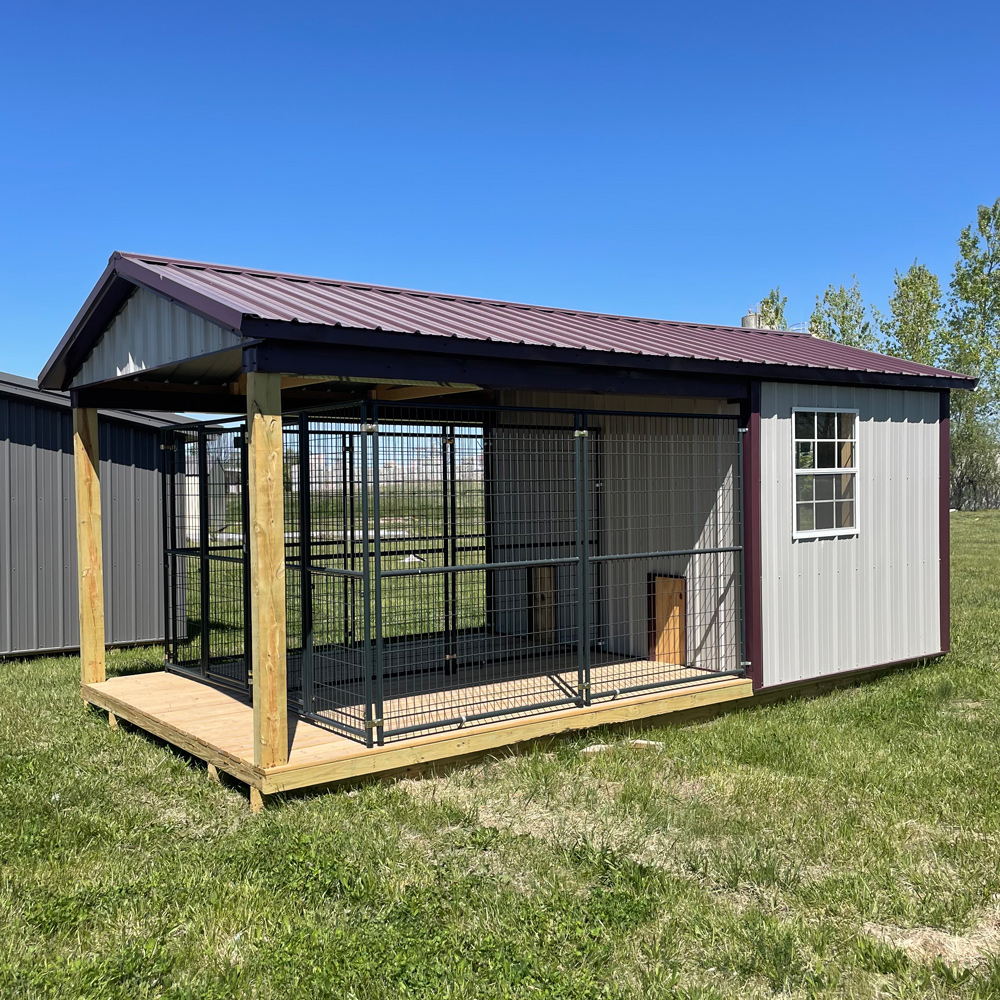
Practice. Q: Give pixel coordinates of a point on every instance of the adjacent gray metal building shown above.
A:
(38, 590)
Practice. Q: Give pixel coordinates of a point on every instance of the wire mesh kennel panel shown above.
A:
(205, 530)
(329, 512)
(665, 584)
(446, 566)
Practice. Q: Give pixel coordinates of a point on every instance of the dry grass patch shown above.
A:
(929, 944)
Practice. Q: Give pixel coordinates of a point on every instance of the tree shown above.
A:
(840, 315)
(972, 347)
(975, 457)
(771, 314)
(974, 309)
(914, 329)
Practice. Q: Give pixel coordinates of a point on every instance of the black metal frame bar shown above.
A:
(204, 576)
(166, 525)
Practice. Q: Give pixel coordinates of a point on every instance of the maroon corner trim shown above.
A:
(944, 504)
(752, 608)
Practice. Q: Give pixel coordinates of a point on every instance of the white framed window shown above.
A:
(825, 479)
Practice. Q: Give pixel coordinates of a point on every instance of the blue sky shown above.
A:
(670, 160)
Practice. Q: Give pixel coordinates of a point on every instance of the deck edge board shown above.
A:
(345, 759)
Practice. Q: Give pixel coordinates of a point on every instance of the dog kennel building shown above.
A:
(423, 525)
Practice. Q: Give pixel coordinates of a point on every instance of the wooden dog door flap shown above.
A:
(669, 625)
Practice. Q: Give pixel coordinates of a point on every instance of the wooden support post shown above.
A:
(213, 773)
(256, 800)
(89, 556)
(112, 720)
(265, 472)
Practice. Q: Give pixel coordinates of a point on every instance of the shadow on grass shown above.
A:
(134, 660)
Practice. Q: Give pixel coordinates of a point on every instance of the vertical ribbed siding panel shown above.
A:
(838, 604)
(24, 565)
(5, 527)
(67, 517)
(41, 546)
(38, 595)
(150, 331)
(130, 504)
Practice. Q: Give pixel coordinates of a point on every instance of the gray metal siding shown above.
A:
(151, 331)
(38, 604)
(836, 604)
(665, 495)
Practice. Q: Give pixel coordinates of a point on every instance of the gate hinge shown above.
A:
(585, 686)
(581, 434)
(745, 664)
(372, 723)
(369, 428)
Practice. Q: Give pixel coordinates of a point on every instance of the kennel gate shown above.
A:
(454, 565)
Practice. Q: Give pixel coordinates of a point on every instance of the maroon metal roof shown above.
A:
(230, 294)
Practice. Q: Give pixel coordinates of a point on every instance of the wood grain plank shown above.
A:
(224, 736)
(89, 553)
(265, 473)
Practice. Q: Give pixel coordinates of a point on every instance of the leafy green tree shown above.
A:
(914, 328)
(840, 315)
(771, 314)
(973, 347)
(975, 457)
(974, 309)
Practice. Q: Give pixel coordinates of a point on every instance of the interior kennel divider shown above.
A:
(453, 565)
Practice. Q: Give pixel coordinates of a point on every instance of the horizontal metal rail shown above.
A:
(618, 692)
(441, 411)
(478, 567)
(351, 574)
(463, 720)
(667, 553)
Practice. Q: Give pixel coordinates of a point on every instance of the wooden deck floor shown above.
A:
(217, 727)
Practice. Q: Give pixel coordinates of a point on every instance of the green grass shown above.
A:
(847, 846)
(414, 604)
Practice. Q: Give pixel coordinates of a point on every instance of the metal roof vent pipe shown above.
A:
(751, 321)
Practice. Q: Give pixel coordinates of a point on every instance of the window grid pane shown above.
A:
(824, 440)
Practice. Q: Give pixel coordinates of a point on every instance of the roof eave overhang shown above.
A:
(288, 346)
(120, 279)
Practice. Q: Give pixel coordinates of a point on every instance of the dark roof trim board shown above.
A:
(275, 344)
(267, 305)
(27, 389)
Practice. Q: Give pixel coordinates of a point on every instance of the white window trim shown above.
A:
(796, 472)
